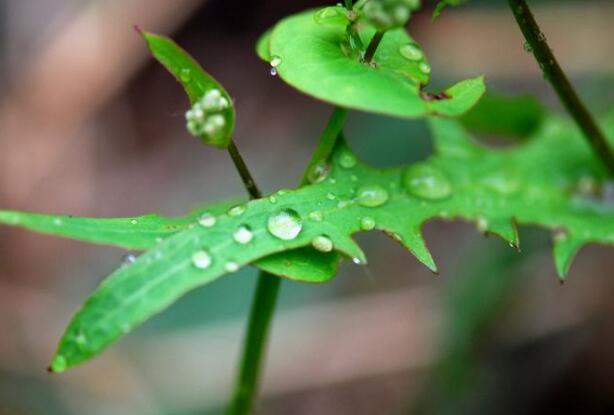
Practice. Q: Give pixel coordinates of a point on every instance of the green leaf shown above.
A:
(145, 232)
(552, 181)
(442, 4)
(315, 59)
(201, 89)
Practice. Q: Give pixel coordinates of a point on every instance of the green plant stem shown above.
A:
(559, 81)
(246, 176)
(348, 4)
(267, 287)
(375, 41)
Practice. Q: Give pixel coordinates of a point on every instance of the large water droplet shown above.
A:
(372, 195)
(322, 243)
(207, 220)
(426, 182)
(285, 225)
(236, 210)
(367, 223)
(411, 51)
(201, 259)
(243, 234)
(347, 160)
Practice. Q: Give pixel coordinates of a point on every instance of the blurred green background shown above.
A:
(89, 125)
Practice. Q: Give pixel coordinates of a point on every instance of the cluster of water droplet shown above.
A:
(206, 117)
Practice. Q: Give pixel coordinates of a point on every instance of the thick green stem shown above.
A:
(267, 289)
(375, 41)
(537, 43)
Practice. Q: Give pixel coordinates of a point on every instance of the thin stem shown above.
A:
(260, 316)
(348, 4)
(267, 288)
(559, 81)
(375, 41)
(246, 176)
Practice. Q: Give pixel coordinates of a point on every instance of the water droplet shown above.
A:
(272, 199)
(426, 182)
(243, 234)
(343, 203)
(482, 224)
(372, 195)
(318, 173)
(527, 47)
(275, 61)
(59, 364)
(184, 75)
(231, 266)
(328, 15)
(236, 210)
(560, 235)
(273, 71)
(214, 101)
(357, 261)
(541, 37)
(316, 216)
(347, 160)
(425, 68)
(331, 196)
(322, 243)
(201, 259)
(80, 339)
(367, 223)
(128, 259)
(285, 225)
(132, 222)
(411, 51)
(207, 220)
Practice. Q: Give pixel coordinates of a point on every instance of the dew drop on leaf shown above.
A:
(347, 160)
(322, 243)
(243, 234)
(201, 259)
(527, 47)
(185, 75)
(236, 210)
(285, 225)
(328, 15)
(372, 195)
(331, 196)
(425, 68)
(128, 259)
(59, 363)
(426, 182)
(316, 216)
(411, 51)
(367, 223)
(231, 266)
(318, 173)
(207, 220)
(272, 199)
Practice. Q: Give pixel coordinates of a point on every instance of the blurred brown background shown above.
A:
(89, 125)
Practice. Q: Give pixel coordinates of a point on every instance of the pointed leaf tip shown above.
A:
(565, 249)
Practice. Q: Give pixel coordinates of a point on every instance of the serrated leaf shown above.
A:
(196, 83)
(537, 183)
(311, 57)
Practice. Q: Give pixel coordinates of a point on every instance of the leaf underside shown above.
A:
(312, 60)
(552, 181)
